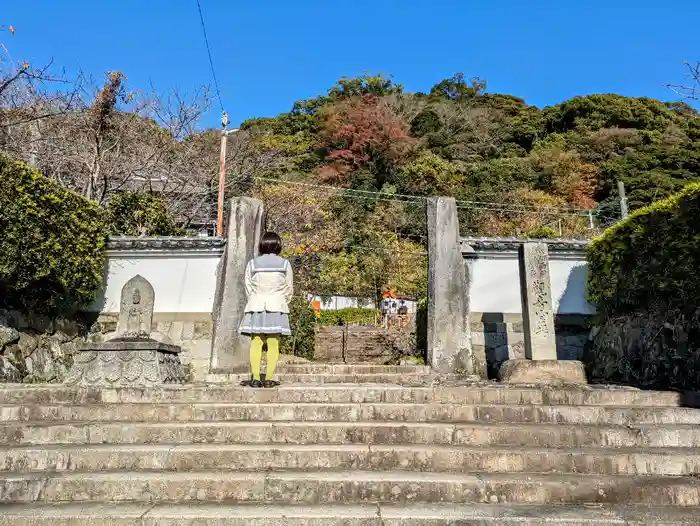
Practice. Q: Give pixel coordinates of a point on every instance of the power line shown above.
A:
(350, 193)
(543, 211)
(416, 199)
(211, 62)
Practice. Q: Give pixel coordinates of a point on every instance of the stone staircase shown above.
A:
(354, 373)
(327, 453)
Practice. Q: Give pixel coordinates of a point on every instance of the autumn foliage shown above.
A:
(361, 133)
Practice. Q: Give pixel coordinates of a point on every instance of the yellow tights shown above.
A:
(273, 354)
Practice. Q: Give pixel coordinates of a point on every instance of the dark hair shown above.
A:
(270, 243)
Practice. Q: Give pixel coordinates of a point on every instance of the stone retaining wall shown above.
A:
(362, 344)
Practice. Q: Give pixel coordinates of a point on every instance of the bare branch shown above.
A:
(689, 90)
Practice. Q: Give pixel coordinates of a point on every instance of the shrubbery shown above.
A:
(139, 214)
(303, 321)
(51, 243)
(543, 232)
(349, 316)
(650, 260)
(645, 283)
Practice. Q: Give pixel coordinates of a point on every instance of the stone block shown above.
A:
(106, 326)
(517, 349)
(176, 329)
(164, 327)
(202, 330)
(544, 372)
(476, 326)
(187, 331)
(200, 368)
(8, 335)
(478, 338)
(499, 354)
(536, 294)
(496, 339)
(571, 346)
(199, 349)
(8, 372)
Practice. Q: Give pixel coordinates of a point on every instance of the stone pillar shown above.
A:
(536, 294)
(449, 335)
(245, 228)
(541, 365)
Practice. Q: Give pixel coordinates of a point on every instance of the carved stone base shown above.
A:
(543, 372)
(125, 362)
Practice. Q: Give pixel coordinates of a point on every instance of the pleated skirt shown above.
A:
(265, 323)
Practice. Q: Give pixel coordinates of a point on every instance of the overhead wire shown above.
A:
(541, 210)
(415, 199)
(211, 61)
(420, 200)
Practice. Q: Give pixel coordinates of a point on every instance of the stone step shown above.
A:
(404, 412)
(348, 487)
(323, 378)
(146, 514)
(350, 368)
(279, 457)
(490, 393)
(475, 434)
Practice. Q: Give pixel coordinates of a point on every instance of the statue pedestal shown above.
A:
(127, 363)
(543, 372)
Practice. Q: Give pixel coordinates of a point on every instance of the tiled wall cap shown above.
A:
(471, 244)
(165, 243)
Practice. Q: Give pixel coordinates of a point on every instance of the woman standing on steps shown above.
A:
(269, 288)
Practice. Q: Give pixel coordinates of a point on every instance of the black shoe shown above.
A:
(270, 384)
(257, 384)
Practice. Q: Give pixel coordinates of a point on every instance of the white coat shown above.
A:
(269, 284)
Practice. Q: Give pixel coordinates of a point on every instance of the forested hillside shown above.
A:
(488, 149)
(343, 174)
(515, 170)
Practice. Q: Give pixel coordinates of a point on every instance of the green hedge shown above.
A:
(356, 316)
(303, 323)
(51, 243)
(649, 261)
(140, 214)
(645, 283)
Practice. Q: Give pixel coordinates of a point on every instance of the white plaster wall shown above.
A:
(495, 284)
(183, 281)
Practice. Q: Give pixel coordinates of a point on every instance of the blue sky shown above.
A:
(269, 53)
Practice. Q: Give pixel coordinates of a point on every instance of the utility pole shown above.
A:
(623, 199)
(222, 177)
